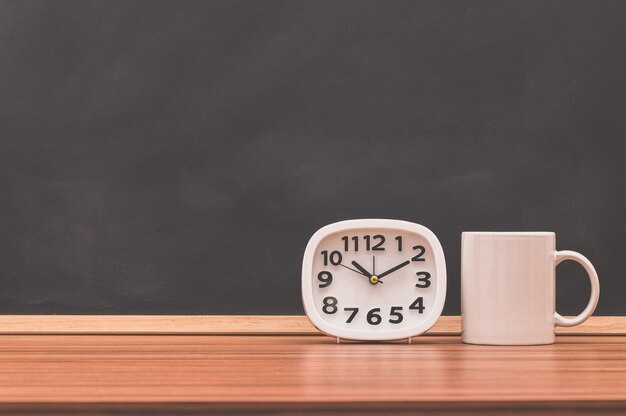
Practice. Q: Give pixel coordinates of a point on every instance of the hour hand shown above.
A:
(354, 270)
(361, 269)
(373, 278)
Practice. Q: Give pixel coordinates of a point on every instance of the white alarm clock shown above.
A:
(373, 279)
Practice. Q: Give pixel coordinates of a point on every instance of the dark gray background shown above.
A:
(175, 157)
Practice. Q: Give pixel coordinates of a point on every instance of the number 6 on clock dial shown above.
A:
(373, 279)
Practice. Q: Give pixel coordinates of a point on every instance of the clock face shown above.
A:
(374, 279)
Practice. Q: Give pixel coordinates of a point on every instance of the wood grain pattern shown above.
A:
(232, 325)
(298, 374)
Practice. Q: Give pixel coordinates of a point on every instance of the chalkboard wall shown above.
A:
(175, 157)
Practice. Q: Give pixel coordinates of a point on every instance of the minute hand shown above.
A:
(393, 269)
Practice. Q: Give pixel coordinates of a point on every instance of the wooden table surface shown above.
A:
(306, 374)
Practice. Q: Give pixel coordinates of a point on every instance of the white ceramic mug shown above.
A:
(508, 288)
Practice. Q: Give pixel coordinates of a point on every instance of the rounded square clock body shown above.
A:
(373, 279)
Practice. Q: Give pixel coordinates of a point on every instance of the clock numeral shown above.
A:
(335, 258)
(373, 318)
(381, 241)
(373, 243)
(326, 278)
(377, 246)
(330, 305)
(352, 315)
(368, 242)
(395, 312)
(418, 304)
(423, 280)
(418, 257)
(346, 243)
(399, 240)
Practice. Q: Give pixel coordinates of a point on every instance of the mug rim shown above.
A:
(511, 233)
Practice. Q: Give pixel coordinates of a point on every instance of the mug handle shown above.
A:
(595, 288)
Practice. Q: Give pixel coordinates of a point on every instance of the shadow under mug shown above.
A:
(508, 282)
